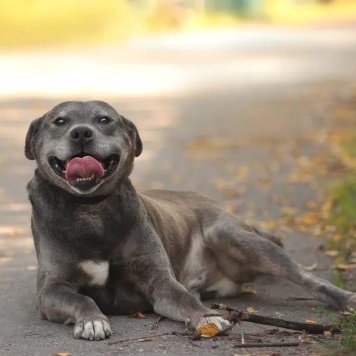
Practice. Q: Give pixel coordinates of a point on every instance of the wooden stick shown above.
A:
(258, 319)
(270, 344)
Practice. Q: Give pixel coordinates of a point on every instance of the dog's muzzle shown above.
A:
(84, 171)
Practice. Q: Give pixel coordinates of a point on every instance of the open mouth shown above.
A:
(83, 171)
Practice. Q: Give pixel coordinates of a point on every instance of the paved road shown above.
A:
(235, 114)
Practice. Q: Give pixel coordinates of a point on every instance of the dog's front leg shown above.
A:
(154, 278)
(60, 302)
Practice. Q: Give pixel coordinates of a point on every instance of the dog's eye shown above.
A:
(59, 122)
(104, 120)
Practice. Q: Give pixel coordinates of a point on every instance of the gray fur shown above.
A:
(111, 250)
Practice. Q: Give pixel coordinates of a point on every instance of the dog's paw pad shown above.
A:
(92, 330)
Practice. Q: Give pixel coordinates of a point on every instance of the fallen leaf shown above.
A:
(176, 180)
(337, 237)
(305, 338)
(345, 267)
(311, 322)
(208, 330)
(61, 354)
(331, 253)
(271, 224)
(32, 268)
(346, 313)
(138, 315)
(145, 339)
(249, 288)
(251, 310)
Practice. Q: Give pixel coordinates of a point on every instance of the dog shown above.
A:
(103, 248)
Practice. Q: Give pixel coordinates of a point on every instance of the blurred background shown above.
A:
(252, 102)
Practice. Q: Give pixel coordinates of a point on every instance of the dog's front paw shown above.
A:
(92, 328)
(221, 323)
(209, 317)
(351, 303)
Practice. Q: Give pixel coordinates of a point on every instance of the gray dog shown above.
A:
(103, 248)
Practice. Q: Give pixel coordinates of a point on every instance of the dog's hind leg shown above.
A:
(243, 252)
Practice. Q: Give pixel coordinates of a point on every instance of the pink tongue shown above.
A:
(83, 168)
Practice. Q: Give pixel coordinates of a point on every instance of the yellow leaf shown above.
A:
(346, 313)
(345, 267)
(176, 180)
(249, 288)
(137, 315)
(331, 253)
(337, 237)
(145, 339)
(271, 224)
(311, 322)
(208, 330)
(251, 310)
(248, 291)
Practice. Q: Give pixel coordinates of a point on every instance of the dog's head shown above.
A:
(83, 147)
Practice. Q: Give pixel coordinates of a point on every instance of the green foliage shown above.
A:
(344, 207)
(346, 323)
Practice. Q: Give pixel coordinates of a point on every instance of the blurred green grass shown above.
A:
(344, 206)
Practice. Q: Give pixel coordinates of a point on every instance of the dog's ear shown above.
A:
(31, 136)
(133, 132)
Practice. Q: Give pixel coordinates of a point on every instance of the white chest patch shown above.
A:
(98, 271)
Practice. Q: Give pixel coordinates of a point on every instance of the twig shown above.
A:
(270, 344)
(171, 333)
(242, 333)
(294, 299)
(154, 326)
(140, 338)
(237, 315)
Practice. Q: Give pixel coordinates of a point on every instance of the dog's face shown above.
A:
(83, 147)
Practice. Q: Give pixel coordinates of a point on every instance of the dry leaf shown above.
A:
(270, 224)
(145, 339)
(311, 322)
(345, 267)
(249, 291)
(61, 354)
(32, 268)
(331, 253)
(346, 313)
(249, 288)
(337, 237)
(208, 330)
(251, 310)
(137, 315)
(176, 180)
(304, 338)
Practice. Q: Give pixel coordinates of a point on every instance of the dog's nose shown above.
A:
(81, 134)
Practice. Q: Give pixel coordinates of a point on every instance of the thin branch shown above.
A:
(140, 338)
(237, 315)
(270, 344)
(154, 326)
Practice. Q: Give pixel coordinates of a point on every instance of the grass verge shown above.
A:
(343, 217)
